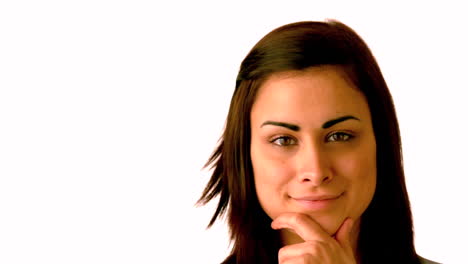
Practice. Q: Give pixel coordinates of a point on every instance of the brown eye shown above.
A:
(339, 136)
(284, 141)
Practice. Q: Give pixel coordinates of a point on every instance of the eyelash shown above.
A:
(348, 135)
(335, 134)
(274, 141)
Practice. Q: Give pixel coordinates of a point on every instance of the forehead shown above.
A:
(303, 96)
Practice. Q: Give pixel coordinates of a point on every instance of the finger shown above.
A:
(303, 225)
(301, 260)
(343, 235)
(315, 249)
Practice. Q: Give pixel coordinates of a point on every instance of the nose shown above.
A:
(314, 167)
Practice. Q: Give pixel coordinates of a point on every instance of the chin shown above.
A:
(332, 226)
(329, 223)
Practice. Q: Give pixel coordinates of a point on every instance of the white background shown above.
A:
(109, 110)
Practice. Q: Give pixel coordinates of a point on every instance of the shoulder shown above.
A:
(426, 261)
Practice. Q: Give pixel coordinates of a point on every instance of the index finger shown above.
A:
(303, 225)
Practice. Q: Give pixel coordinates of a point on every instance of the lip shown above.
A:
(317, 202)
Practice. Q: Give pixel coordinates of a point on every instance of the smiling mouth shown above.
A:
(317, 202)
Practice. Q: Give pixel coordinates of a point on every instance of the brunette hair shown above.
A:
(386, 231)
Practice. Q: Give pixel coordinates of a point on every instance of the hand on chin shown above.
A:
(307, 242)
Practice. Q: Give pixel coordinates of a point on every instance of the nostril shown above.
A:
(316, 180)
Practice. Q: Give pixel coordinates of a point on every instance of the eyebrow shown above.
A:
(325, 125)
(338, 120)
(282, 124)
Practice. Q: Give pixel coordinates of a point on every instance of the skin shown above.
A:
(312, 135)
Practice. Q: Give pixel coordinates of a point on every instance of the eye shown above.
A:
(284, 141)
(339, 136)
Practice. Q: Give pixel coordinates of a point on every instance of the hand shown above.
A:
(318, 246)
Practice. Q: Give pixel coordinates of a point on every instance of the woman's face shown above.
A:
(313, 148)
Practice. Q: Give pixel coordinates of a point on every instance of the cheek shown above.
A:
(359, 169)
(270, 171)
(271, 175)
(360, 172)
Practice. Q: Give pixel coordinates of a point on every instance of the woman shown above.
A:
(309, 168)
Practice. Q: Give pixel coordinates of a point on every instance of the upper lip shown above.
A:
(317, 197)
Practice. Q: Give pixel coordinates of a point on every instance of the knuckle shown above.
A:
(283, 254)
(316, 245)
(318, 248)
(307, 258)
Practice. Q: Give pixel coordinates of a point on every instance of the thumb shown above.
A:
(343, 235)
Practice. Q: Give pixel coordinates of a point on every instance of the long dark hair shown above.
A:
(386, 231)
